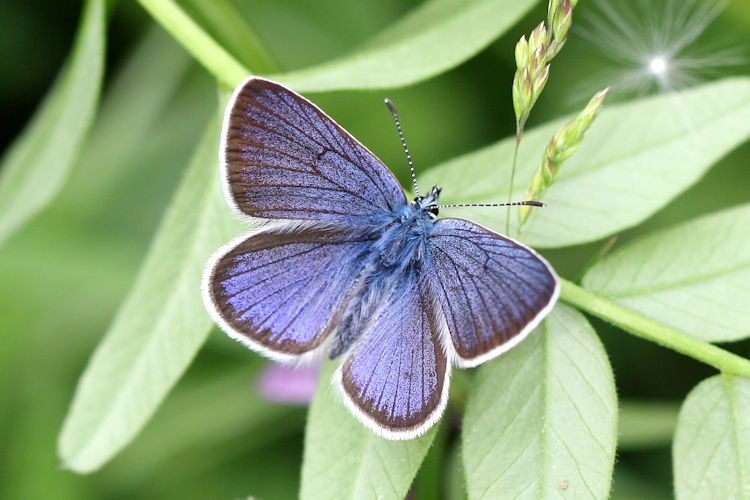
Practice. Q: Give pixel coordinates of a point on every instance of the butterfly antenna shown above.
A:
(403, 143)
(531, 203)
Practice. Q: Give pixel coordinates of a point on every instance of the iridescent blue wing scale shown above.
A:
(493, 290)
(281, 292)
(284, 158)
(395, 378)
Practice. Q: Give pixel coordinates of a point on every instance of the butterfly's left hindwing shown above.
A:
(280, 292)
(493, 290)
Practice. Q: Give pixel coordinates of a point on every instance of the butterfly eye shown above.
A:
(433, 210)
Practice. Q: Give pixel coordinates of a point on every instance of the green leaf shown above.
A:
(711, 449)
(646, 424)
(343, 459)
(541, 420)
(187, 423)
(160, 326)
(630, 483)
(454, 483)
(635, 159)
(436, 36)
(138, 95)
(35, 167)
(692, 277)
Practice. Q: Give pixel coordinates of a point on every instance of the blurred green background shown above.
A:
(63, 276)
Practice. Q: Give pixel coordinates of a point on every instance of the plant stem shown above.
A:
(641, 326)
(225, 22)
(519, 132)
(195, 40)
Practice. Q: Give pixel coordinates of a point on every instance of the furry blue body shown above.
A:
(398, 249)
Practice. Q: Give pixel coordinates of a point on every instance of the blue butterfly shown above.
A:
(349, 265)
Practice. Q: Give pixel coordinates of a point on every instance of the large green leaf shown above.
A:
(159, 327)
(343, 459)
(541, 420)
(692, 277)
(436, 36)
(711, 449)
(36, 165)
(634, 160)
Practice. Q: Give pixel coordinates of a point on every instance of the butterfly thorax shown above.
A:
(398, 249)
(401, 242)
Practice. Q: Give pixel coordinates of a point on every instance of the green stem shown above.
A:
(519, 133)
(195, 40)
(227, 24)
(648, 329)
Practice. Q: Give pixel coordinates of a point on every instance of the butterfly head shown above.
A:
(428, 203)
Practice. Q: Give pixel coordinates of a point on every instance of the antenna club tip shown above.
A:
(392, 107)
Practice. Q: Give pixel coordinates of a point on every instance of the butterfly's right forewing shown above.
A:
(284, 158)
(493, 290)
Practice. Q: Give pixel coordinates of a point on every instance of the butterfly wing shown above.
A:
(493, 290)
(284, 158)
(281, 292)
(395, 378)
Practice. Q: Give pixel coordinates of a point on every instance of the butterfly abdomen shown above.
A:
(397, 251)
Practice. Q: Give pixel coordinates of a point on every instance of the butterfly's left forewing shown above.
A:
(395, 378)
(492, 290)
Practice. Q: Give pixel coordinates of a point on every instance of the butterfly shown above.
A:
(348, 266)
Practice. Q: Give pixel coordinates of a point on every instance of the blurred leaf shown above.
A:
(630, 483)
(135, 100)
(160, 326)
(635, 159)
(430, 479)
(189, 423)
(343, 459)
(541, 419)
(36, 165)
(692, 277)
(436, 36)
(645, 424)
(454, 483)
(711, 450)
